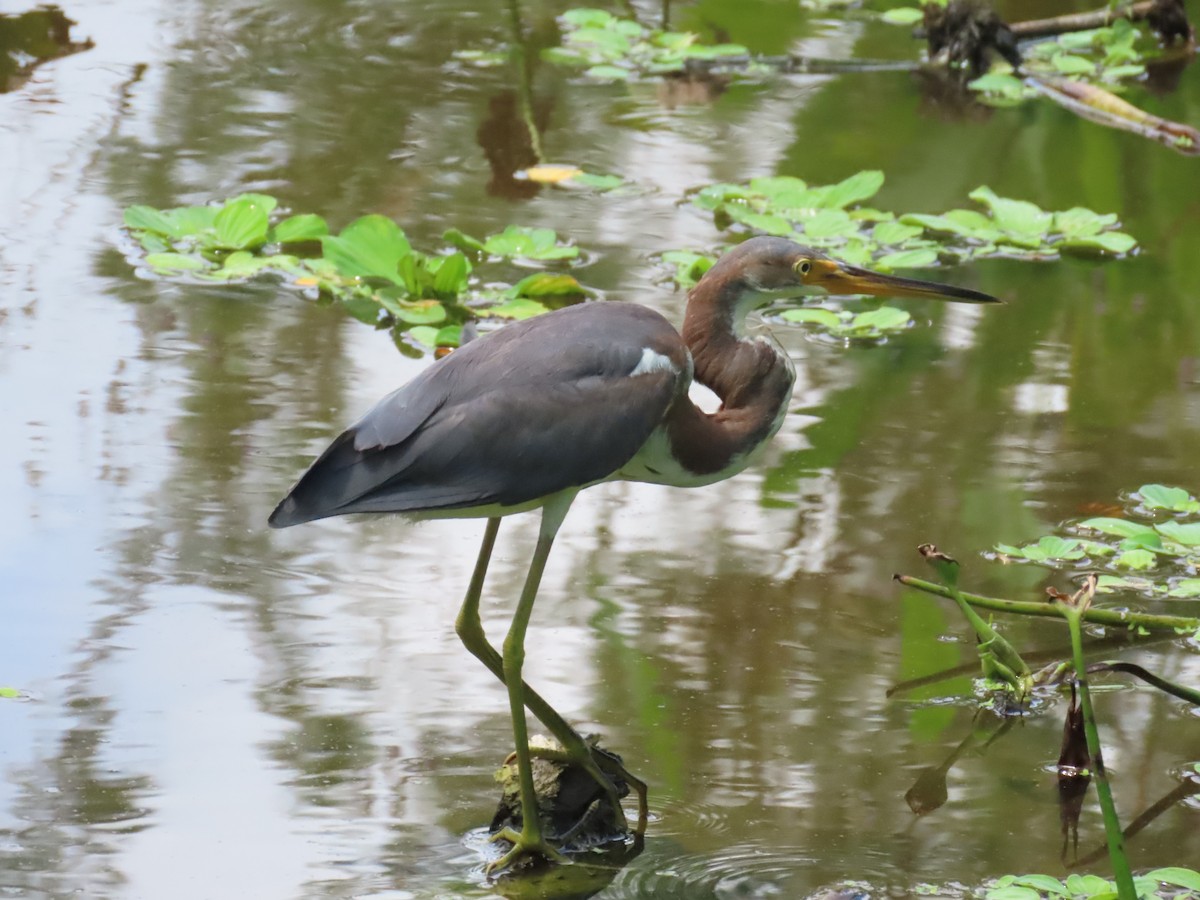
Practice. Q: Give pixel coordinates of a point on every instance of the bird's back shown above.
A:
(559, 401)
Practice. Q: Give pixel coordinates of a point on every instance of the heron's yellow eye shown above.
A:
(802, 267)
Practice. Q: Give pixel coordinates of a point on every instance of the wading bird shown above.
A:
(528, 416)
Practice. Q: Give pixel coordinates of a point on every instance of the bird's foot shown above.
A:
(528, 843)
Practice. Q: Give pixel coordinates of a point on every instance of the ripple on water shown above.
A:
(678, 816)
(740, 870)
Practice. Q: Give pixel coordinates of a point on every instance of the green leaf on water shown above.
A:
(169, 263)
(1177, 876)
(193, 221)
(939, 224)
(1012, 892)
(1070, 64)
(1078, 222)
(529, 243)
(830, 223)
(782, 192)
(362, 307)
(895, 232)
(1187, 533)
(608, 73)
(517, 308)
(243, 221)
(595, 181)
(1087, 885)
(419, 312)
(1118, 527)
(426, 335)
(449, 274)
(585, 17)
(1053, 547)
(1019, 217)
(689, 267)
(1047, 884)
(1106, 242)
(886, 318)
(1185, 587)
(824, 317)
(1175, 499)
(715, 51)
(147, 218)
(770, 224)
(1136, 559)
(244, 264)
(998, 83)
(463, 241)
(858, 187)
(548, 284)
(303, 227)
(908, 259)
(371, 246)
(903, 15)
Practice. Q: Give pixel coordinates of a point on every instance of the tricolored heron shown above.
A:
(528, 416)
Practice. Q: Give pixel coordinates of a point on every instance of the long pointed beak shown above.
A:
(843, 279)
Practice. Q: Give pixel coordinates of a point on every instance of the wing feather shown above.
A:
(533, 409)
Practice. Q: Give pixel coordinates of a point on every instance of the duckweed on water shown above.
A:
(370, 267)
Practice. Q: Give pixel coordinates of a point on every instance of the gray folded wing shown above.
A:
(527, 411)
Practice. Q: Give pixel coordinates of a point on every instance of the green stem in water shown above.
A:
(1112, 824)
(1122, 618)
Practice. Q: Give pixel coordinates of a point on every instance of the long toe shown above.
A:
(525, 846)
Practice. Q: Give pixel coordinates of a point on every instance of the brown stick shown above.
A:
(1097, 18)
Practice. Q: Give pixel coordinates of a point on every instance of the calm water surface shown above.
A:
(219, 711)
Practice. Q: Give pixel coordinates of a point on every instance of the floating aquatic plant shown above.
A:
(1108, 55)
(1153, 548)
(1157, 883)
(833, 218)
(613, 49)
(370, 267)
(870, 325)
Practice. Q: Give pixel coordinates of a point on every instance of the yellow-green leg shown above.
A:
(597, 763)
(470, 630)
(530, 838)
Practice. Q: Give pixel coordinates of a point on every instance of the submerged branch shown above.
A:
(1097, 18)
(1104, 108)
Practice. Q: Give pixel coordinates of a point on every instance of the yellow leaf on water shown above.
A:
(548, 174)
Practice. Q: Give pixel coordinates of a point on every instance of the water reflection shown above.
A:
(27, 40)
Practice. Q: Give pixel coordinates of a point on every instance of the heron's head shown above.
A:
(764, 270)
